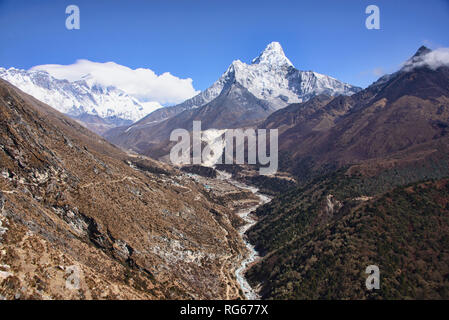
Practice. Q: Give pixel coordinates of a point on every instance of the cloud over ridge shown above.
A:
(144, 84)
(433, 59)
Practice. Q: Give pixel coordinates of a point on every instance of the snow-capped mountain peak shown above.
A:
(273, 55)
(273, 78)
(270, 77)
(243, 96)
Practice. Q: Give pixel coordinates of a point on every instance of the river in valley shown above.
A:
(249, 292)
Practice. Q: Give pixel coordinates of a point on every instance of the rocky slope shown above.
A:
(82, 220)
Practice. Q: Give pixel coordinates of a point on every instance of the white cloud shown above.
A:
(434, 59)
(143, 84)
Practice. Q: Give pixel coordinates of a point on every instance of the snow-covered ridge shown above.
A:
(80, 97)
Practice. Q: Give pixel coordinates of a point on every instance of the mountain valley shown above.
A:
(362, 180)
(372, 190)
(80, 219)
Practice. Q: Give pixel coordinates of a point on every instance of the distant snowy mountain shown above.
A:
(98, 107)
(242, 97)
(270, 77)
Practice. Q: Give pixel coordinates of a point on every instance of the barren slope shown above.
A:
(133, 228)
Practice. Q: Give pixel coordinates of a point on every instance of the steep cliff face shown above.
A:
(81, 219)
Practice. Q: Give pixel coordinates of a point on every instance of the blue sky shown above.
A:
(199, 39)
